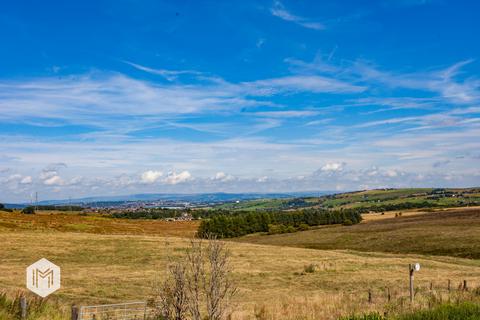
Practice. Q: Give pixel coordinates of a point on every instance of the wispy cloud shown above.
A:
(279, 10)
(170, 75)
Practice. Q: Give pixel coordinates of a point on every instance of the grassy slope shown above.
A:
(72, 222)
(115, 268)
(363, 198)
(454, 232)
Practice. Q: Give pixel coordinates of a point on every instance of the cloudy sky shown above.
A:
(121, 97)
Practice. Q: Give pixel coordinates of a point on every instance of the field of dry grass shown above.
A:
(453, 232)
(72, 222)
(272, 281)
(106, 260)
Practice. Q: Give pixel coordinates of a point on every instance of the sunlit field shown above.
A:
(275, 282)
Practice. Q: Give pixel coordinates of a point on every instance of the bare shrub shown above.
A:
(198, 286)
(218, 286)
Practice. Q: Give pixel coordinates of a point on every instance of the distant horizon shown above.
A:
(324, 192)
(191, 97)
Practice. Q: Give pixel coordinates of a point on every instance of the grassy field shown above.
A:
(115, 268)
(454, 232)
(115, 260)
(368, 199)
(71, 222)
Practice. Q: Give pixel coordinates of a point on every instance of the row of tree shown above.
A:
(3, 208)
(229, 226)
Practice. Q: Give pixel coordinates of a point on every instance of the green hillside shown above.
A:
(371, 200)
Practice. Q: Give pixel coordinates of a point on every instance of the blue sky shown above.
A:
(120, 97)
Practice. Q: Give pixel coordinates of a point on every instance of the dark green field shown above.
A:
(454, 232)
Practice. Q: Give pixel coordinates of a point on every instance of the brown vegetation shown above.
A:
(454, 232)
(71, 222)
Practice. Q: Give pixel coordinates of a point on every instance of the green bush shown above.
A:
(370, 316)
(462, 311)
(303, 227)
(28, 210)
(311, 268)
(348, 222)
(276, 229)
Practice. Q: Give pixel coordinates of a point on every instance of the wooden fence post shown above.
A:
(74, 313)
(369, 296)
(23, 307)
(448, 285)
(411, 270)
(389, 297)
(465, 287)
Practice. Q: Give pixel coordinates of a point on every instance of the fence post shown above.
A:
(369, 296)
(74, 312)
(410, 270)
(465, 287)
(388, 294)
(23, 307)
(448, 285)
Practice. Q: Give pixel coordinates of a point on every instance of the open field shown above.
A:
(115, 268)
(454, 232)
(72, 222)
(107, 260)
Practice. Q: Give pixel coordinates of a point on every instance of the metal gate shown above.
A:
(121, 311)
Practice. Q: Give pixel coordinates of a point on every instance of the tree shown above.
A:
(198, 286)
(28, 210)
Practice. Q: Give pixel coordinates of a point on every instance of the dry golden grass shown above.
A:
(454, 232)
(73, 222)
(408, 213)
(116, 268)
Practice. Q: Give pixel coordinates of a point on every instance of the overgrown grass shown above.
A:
(462, 311)
(37, 309)
(455, 232)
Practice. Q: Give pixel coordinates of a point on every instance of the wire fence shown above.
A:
(121, 311)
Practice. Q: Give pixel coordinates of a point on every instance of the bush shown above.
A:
(311, 268)
(303, 227)
(28, 210)
(348, 222)
(276, 228)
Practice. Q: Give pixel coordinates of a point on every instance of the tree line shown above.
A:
(229, 226)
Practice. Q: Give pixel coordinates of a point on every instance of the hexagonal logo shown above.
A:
(43, 277)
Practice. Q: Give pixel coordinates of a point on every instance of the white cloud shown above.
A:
(278, 10)
(223, 177)
(301, 83)
(13, 177)
(170, 75)
(333, 166)
(26, 180)
(151, 176)
(287, 114)
(175, 178)
(262, 179)
(54, 181)
(391, 173)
